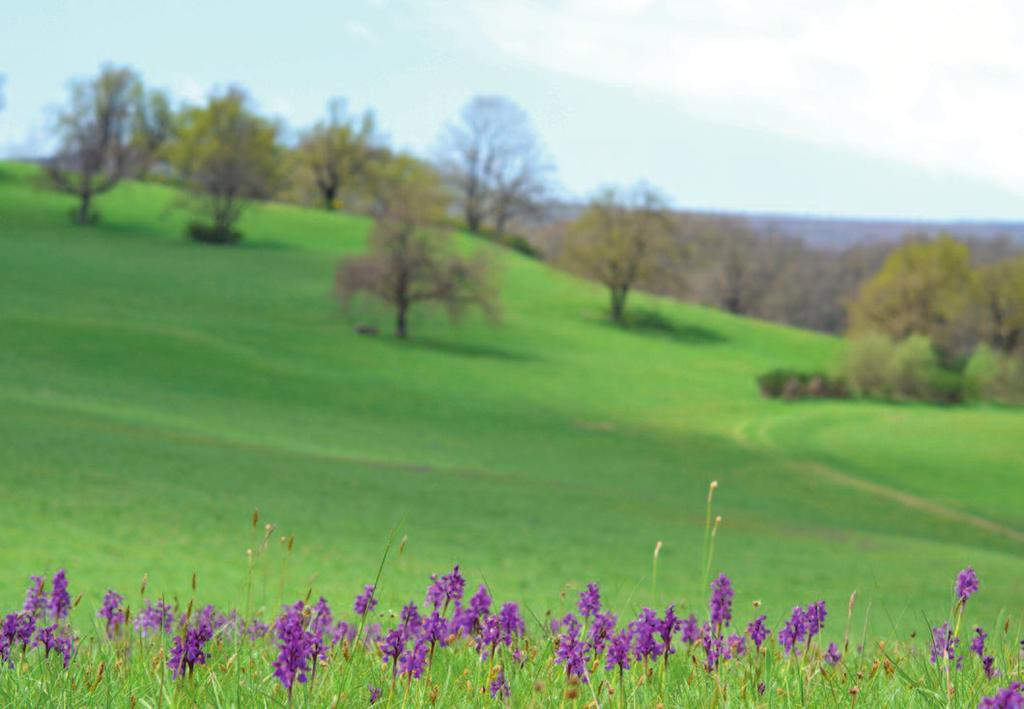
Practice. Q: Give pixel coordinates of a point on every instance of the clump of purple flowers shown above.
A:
(189, 648)
(832, 654)
(154, 618)
(1006, 698)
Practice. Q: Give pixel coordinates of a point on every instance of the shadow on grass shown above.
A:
(463, 349)
(653, 323)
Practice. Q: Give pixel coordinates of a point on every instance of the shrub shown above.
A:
(909, 370)
(993, 376)
(208, 234)
(865, 365)
(791, 384)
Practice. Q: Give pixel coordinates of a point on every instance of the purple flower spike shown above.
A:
(189, 648)
(365, 602)
(590, 601)
(511, 623)
(499, 686)
(832, 655)
(966, 584)
(113, 613)
(793, 631)
(988, 663)
(690, 632)
(375, 693)
(618, 651)
(978, 641)
(448, 589)
(295, 646)
(943, 643)
(814, 618)
(35, 599)
(571, 654)
(60, 600)
(721, 601)
(758, 631)
(412, 662)
(391, 648)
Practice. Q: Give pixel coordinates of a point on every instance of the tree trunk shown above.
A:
(400, 324)
(329, 195)
(619, 305)
(473, 220)
(83, 207)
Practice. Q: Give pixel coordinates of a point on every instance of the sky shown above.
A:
(912, 109)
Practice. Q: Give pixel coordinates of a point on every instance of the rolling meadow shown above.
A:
(155, 392)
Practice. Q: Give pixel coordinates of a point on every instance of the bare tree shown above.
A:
(495, 163)
(623, 239)
(228, 156)
(110, 130)
(409, 261)
(337, 155)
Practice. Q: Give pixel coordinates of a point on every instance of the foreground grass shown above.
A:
(451, 650)
(153, 392)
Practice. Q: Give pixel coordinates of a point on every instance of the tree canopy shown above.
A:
(109, 130)
(228, 156)
(623, 240)
(409, 261)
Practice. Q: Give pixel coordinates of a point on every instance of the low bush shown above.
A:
(791, 384)
(994, 376)
(212, 235)
(877, 367)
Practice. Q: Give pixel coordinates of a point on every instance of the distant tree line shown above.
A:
(491, 175)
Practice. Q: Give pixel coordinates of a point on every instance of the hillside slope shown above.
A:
(153, 392)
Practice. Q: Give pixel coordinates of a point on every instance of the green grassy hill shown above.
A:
(153, 392)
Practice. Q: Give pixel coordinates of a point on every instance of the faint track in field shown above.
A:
(755, 434)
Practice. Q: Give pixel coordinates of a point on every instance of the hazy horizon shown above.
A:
(844, 110)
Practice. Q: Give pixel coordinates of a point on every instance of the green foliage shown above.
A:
(991, 375)
(909, 370)
(999, 304)
(791, 384)
(921, 289)
(153, 393)
(622, 240)
(227, 155)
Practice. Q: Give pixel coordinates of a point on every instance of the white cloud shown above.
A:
(358, 29)
(936, 82)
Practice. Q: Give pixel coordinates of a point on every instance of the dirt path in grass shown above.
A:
(754, 435)
(908, 500)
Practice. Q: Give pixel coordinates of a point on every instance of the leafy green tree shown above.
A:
(922, 288)
(228, 156)
(337, 157)
(623, 239)
(999, 299)
(409, 261)
(110, 129)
